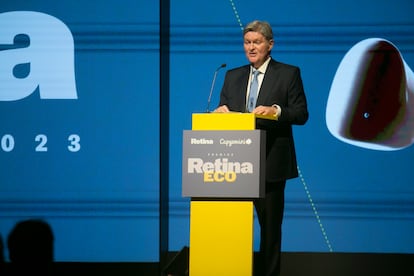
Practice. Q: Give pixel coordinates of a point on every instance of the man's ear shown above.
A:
(271, 44)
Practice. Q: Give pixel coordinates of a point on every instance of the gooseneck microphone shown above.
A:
(212, 86)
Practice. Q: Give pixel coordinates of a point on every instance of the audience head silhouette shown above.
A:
(30, 245)
(2, 260)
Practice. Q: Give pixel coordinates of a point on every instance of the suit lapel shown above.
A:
(242, 82)
(267, 83)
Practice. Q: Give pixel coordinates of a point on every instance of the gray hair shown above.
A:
(262, 27)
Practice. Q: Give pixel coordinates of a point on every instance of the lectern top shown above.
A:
(226, 121)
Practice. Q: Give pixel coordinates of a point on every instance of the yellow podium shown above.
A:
(221, 190)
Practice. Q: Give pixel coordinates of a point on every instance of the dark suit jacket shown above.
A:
(282, 85)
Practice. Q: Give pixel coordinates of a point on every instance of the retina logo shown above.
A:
(36, 52)
(221, 170)
(201, 141)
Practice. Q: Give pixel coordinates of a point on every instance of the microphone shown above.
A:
(212, 86)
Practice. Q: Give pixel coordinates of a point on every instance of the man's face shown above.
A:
(257, 48)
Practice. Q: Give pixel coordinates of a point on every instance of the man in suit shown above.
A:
(281, 95)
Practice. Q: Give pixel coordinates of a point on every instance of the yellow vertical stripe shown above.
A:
(221, 238)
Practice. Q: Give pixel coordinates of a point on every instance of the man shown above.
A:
(279, 94)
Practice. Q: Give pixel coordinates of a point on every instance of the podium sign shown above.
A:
(223, 164)
(223, 170)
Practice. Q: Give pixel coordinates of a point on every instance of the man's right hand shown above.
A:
(222, 109)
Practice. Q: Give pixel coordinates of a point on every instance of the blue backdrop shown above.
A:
(102, 199)
(348, 198)
(89, 165)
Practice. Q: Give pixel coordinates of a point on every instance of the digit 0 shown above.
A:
(7, 142)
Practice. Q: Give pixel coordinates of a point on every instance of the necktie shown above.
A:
(253, 91)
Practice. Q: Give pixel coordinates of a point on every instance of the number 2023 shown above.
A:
(7, 143)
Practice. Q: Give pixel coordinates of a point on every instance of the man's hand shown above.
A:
(222, 109)
(267, 110)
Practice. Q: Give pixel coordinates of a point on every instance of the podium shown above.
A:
(223, 171)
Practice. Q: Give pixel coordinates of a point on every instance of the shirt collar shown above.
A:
(262, 69)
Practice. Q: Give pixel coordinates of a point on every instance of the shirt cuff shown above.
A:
(278, 111)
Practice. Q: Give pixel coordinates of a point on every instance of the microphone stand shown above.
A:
(212, 86)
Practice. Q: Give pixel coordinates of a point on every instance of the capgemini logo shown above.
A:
(36, 52)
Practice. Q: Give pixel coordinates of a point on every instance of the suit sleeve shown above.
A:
(233, 93)
(295, 111)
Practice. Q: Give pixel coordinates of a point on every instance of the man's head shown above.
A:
(31, 241)
(258, 42)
